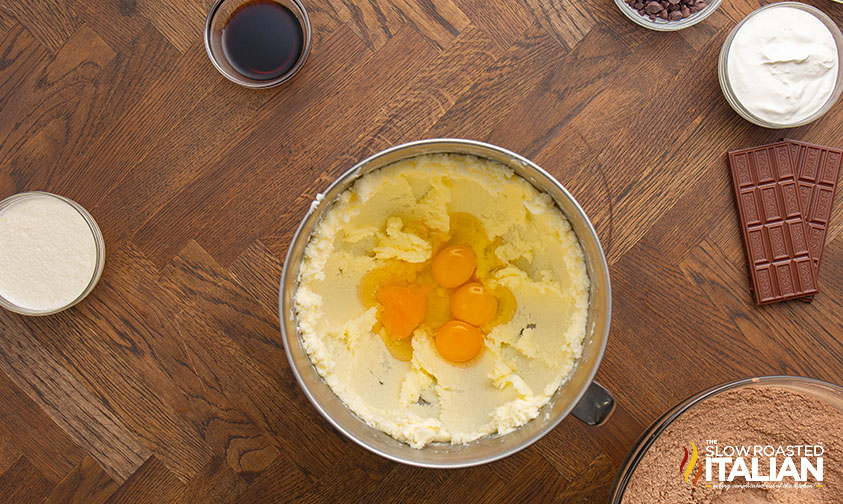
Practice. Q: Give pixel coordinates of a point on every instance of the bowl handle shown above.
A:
(596, 405)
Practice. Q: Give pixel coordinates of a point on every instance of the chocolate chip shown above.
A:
(669, 10)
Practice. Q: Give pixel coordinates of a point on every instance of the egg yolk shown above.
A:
(458, 341)
(453, 266)
(403, 308)
(474, 304)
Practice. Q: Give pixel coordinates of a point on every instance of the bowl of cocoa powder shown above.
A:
(757, 440)
(667, 15)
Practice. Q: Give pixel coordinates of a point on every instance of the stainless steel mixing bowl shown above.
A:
(579, 395)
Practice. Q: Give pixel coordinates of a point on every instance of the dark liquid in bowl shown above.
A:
(262, 39)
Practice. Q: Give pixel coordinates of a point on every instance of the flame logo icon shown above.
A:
(685, 470)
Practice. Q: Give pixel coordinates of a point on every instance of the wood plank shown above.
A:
(323, 20)
(21, 52)
(49, 448)
(421, 101)
(127, 141)
(701, 34)
(567, 20)
(86, 484)
(345, 482)
(373, 21)
(802, 329)
(72, 406)
(568, 448)
(7, 21)
(256, 158)
(496, 91)
(47, 156)
(556, 100)
(166, 358)
(537, 481)
(141, 63)
(171, 165)
(201, 281)
(180, 21)
(161, 355)
(259, 273)
(624, 29)
(247, 356)
(152, 483)
(281, 482)
(52, 23)
(439, 21)
(638, 194)
(641, 279)
(9, 454)
(22, 482)
(217, 483)
(426, 97)
(118, 23)
(501, 20)
(58, 93)
(596, 481)
(129, 384)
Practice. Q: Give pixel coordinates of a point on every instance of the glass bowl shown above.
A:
(661, 24)
(98, 241)
(828, 393)
(214, 24)
(726, 86)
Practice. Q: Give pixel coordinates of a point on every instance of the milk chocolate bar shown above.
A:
(817, 168)
(772, 223)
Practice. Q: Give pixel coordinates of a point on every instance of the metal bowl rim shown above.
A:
(353, 173)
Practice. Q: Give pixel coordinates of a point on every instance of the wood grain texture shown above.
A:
(67, 401)
(169, 383)
(87, 483)
(51, 23)
(25, 424)
(22, 482)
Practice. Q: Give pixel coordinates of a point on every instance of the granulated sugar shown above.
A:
(748, 416)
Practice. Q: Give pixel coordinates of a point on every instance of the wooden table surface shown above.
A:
(169, 382)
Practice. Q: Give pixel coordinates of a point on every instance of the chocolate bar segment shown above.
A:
(817, 169)
(772, 224)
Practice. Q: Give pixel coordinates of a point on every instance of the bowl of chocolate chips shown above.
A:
(667, 15)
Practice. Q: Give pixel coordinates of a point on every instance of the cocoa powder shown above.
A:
(753, 415)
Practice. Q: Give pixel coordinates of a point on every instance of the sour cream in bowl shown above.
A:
(781, 66)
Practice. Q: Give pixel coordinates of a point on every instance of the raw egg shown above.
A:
(453, 266)
(403, 308)
(458, 341)
(474, 304)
